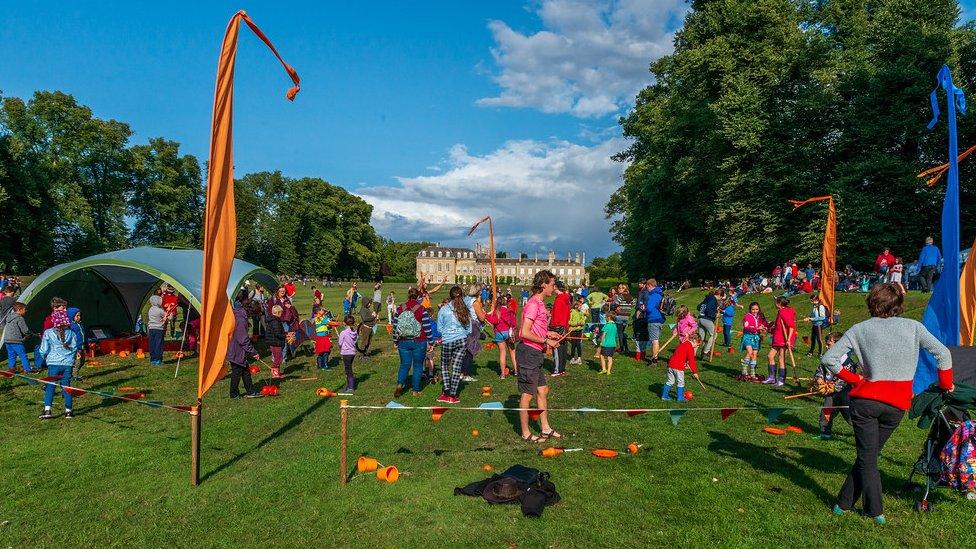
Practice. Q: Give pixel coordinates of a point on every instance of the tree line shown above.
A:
(73, 185)
(768, 100)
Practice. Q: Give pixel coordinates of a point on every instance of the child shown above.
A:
(784, 336)
(390, 307)
(896, 271)
(15, 332)
(686, 324)
(58, 347)
(323, 343)
(838, 398)
(684, 355)
(347, 348)
(502, 320)
(753, 326)
(430, 368)
(836, 319)
(58, 305)
(817, 320)
(275, 336)
(74, 317)
(728, 317)
(156, 323)
(608, 341)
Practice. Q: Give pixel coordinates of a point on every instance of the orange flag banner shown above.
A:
(828, 257)
(936, 173)
(967, 299)
(220, 217)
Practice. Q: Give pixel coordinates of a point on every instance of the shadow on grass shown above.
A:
(295, 421)
(98, 373)
(769, 460)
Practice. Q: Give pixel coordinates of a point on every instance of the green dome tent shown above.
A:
(111, 288)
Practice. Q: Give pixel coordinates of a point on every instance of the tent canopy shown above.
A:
(111, 288)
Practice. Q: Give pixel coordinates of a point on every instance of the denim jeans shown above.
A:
(15, 351)
(155, 345)
(322, 361)
(727, 335)
(63, 370)
(412, 355)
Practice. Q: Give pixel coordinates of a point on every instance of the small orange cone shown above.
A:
(633, 448)
(366, 464)
(390, 474)
(487, 468)
(551, 452)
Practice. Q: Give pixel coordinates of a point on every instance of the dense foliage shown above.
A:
(767, 100)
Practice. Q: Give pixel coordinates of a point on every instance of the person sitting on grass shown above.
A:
(887, 347)
(684, 356)
(58, 347)
(534, 337)
(608, 341)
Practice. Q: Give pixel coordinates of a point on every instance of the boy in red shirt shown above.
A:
(684, 355)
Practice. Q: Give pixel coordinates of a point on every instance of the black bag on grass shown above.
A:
(526, 486)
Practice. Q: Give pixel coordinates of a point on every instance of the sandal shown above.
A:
(532, 438)
(551, 434)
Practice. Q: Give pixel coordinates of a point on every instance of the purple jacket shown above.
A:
(240, 343)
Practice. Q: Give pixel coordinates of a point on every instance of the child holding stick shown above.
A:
(835, 391)
(753, 326)
(784, 338)
(684, 356)
(347, 348)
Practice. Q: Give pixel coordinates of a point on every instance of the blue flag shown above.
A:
(942, 316)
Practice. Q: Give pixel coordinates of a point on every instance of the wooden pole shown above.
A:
(343, 439)
(491, 250)
(195, 443)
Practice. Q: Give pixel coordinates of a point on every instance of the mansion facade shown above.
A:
(467, 266)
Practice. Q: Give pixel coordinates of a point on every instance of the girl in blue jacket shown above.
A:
(58, 348)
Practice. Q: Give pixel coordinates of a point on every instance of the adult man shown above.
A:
(595, 300)
(928, 262)
(883, 264)
(707, 311)
(534, 336)
(377, 297)
(560, 324)
(655, 318)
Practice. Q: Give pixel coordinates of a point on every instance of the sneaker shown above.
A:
(415, 393)
(453, 400)
(880, 520)
(780, 383)
(769, 380)
(400, 389)
(822, 436)
(469, 379)
(838, 511)
(444, 398)
(45, 414)
(68, 414)
(558, 374)
(255, 394)
(236, 397)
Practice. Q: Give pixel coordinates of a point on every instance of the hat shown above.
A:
(560, 285)
(59, 318)
(502, 490)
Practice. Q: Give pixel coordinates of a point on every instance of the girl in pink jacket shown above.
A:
(686, 325)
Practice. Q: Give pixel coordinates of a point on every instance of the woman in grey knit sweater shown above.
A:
(887, 347)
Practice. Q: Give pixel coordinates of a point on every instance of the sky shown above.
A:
(437, 113)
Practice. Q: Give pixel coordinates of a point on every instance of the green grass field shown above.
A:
(118, 474)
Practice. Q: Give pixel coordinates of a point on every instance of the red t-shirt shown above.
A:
(170, 301)
(560, 311)
(289, 289)
(683, 355)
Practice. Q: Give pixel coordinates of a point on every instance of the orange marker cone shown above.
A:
(390, 474)
(366, 464)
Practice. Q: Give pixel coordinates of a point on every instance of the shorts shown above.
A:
(502, 336)
(654, 331)
(751, 340)
(896, 277)
(607, 351)
(530, 373)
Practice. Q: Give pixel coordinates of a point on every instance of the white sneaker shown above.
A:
(469, 379)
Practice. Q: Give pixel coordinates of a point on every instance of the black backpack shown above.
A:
(667, 305)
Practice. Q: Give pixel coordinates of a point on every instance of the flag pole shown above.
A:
(195, 443)
(491, 250)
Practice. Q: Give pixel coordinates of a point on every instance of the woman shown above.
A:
(58, 347)
(534, 337)
(502, 319)
(887, 347)
(454, 323)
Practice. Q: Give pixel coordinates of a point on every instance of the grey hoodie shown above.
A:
(156, 313)
(15, 328)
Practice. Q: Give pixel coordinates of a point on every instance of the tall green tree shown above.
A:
(398, 258)
(766, 100)
(166, 204)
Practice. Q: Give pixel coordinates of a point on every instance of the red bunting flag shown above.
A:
(534, 415)
(133, 396)
(633, 413)
(6, 373)
(51, 379)
(727, 413)
(74, 391)
(437, 413)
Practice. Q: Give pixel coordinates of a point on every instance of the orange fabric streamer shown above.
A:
(828, 257)
(220, 218)
(937, 172)
(967, 299)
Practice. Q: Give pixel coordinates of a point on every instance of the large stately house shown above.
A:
(463, 265)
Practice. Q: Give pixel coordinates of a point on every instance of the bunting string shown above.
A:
(134, 396)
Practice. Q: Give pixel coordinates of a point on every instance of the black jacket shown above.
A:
(274, 332)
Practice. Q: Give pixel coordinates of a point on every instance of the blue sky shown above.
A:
(435, 112)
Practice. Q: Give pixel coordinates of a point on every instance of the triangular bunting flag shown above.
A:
(827, 413)
(727, 412)
(30, 380)
(632, 413)
(6, 373)
(394, 404)
(582, 411)
(437, 413)
(51, 378)
(184, 408)
(676, 416)
(74, 391)
(773, 414)
(152, 403)
(534, 415)
(133, 396)
(672, 326)
(491, 405)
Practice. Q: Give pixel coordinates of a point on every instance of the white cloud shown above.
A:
(540, 195)
(590, 59)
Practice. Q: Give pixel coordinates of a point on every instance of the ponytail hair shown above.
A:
(460, 308)
(62, 338)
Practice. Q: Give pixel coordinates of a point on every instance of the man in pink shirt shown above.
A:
(534, 336)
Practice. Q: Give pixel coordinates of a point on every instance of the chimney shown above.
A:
(578, 258)
(584, 258)
(552, 257)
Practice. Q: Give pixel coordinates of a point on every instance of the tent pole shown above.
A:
(195, 443)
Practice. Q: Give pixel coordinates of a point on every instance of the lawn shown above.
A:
(118, 474)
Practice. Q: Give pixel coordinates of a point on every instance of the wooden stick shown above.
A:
(700, 383)
(195, 443)
(343, 439)
(668, 342)
(811, 393)
(796, 377)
